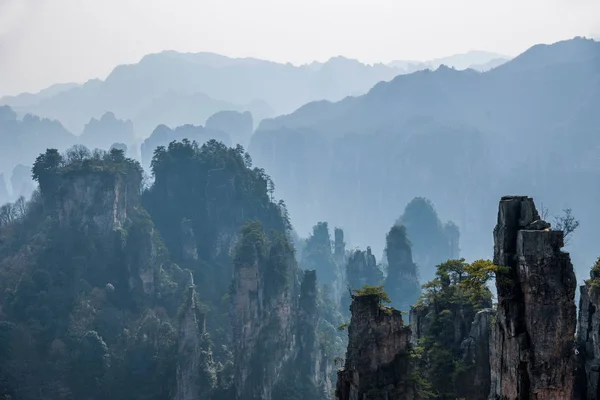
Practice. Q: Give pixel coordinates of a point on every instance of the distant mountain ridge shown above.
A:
(458, 138)
(132, 91)
(477, 60)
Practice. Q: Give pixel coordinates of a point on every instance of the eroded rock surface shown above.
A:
(474, 383)
(532, 354)
(378, 364)
(588, 342)
(195, 372)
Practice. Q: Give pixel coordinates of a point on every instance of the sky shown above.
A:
(43, 42)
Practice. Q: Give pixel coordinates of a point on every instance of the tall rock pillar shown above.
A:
(378, 364)
(532, 344)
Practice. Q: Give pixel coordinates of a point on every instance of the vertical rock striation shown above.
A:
(306, 375)
(195, 372)
(264, 289)
(378, 364)
(588, 340)
(361, 270)
(532, 353)
(474, 382)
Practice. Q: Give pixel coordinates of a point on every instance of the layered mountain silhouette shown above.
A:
(459, 138)
(186, 88)
(477, 60)
(23, 139)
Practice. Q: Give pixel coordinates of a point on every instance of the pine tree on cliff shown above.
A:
(402, 281)
(442, 321)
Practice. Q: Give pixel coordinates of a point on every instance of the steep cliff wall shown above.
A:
(196, 376)
(455, 348)
(474, 382)
(588, 339)
(94, 200)
(378, 364)
(532, 340)
(262, 312)
(306, 374)
(361, 270)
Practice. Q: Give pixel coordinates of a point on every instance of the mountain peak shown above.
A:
(578, 49)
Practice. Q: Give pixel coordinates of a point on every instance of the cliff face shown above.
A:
(402, 280)
(195, 371)
(262, 317)
(98, 201)
(466, 337)
(532, 340)
(310, 364)
(377, 363)
(474, 382)
(306, 374)
(588, 342)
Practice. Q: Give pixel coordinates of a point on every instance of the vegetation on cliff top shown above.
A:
(447, 307)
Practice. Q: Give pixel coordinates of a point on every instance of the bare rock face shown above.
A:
(96, 201)
(474, 383)
(189, 249)
(262, 331)
(306, 375)
(588, 342)
(378, 364)
(532, 355)
(195, 372)
(310, 362)
(361, 270)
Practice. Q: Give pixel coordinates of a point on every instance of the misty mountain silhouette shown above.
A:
(459, 138)
(161, 87)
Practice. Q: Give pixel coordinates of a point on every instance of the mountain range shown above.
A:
(363, 140)
(459, 138)
(182, 88)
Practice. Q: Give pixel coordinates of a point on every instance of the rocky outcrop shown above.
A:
(464, 336)
(588, 343)
(474, 382)
(532, 353)
(189, 248)
(310, 364)
(361, 270)
(262, 315)
(378, 364)
(402, 282)
(306, 376)
(339, 254)
(195, 371)
(95, 201)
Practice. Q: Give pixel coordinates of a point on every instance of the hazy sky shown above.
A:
(49, 41)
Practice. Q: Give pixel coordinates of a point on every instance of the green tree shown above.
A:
(46, 170)
(447, 308)
(378, 291)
